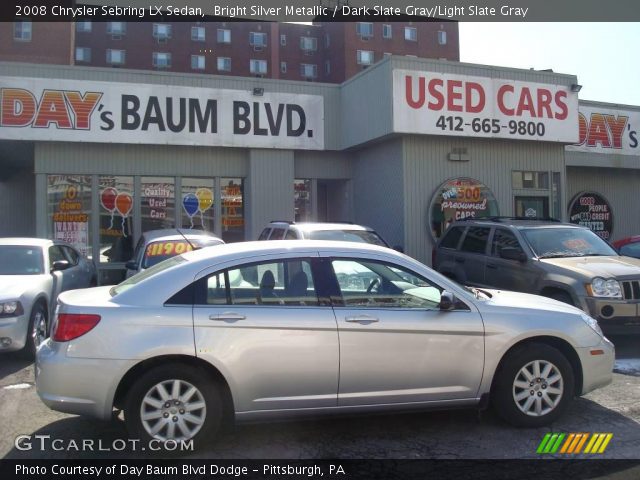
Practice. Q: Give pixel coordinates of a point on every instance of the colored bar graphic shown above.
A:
(597, 443)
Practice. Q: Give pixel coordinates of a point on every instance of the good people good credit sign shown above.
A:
(79, 111)
(446, 104)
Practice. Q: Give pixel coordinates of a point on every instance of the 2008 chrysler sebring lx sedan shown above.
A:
(263, 329)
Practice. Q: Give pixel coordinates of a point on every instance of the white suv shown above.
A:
(345, 232)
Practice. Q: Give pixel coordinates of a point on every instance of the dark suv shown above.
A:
(558, 260)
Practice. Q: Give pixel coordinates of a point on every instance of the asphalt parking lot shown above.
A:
(462, 434)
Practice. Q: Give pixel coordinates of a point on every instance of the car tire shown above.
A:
(196, 417)
(534, 386)
(563, 297)
(37, 331)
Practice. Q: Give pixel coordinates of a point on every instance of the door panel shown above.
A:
(396, 346)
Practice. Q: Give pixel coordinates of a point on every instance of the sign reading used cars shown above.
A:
(447, 104)
(81, 111)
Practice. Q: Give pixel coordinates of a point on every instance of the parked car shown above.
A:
(629, 246)
(563, 261)
(33, 272)
(155, 246)
(345, 232)
(258, 330)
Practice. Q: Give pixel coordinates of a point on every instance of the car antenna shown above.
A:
(193, 247)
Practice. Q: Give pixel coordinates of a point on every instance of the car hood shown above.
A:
(13, 286)
(504, 298)
(606, 267)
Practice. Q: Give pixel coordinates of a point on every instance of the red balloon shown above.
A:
(108, 198)
(124, 202)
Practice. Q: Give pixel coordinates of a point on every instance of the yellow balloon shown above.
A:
(205, 199)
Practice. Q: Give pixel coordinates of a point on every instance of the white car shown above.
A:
(33, 272)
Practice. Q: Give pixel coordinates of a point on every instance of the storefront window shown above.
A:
(116, 218)
(302, 200)
(457, 199)
(592, 210)
(157, 203)
(232, 196)
(197, 203)
(69, 210)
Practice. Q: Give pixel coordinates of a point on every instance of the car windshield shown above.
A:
(362, 236)
(158, 251)
(143, 275)
(566, 242)
(21, 260)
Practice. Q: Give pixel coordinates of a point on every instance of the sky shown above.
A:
(604, 56)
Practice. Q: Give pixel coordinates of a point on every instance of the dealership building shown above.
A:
(96, 156)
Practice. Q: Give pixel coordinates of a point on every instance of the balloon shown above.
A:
(124, 202)
(108, 198)
(190, 204)
(205, 199)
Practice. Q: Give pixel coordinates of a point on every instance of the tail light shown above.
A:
(73, 325)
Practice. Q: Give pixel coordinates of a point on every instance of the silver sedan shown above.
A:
(267, 329)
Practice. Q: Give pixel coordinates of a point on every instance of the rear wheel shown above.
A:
(37, 331)
(174, 402)
(534, 386)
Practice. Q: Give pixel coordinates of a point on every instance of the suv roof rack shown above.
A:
(283, 221)
(503, 218)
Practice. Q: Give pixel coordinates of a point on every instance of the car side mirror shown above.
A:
(131, 265)
(60, 265)
(447, 301)
(511, 253)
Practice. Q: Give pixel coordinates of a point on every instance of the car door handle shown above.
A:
(459, 260)
(227, 317)
(362, 319)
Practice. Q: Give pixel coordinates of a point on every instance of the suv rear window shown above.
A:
(452, 237)
(475, 241)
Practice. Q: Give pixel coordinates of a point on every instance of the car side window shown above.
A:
(452, 238)
(277, 234)
(631, 250)
(55, 254)
(366, 283)
(503, 238)
(290, 235)
(475, 241)
(264, 234)
(72, 255)
(283, 283)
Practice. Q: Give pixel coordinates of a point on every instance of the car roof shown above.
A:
(517, 223)
(32, 242)
(311, 226)
(174, 232)
(167, 238)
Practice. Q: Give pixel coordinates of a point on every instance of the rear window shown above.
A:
(452, 237)
(143, 275)
(361, 236)
(156, 252)
(475, 241)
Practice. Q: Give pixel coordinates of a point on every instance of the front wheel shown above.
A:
(534, 386)
(174, 403)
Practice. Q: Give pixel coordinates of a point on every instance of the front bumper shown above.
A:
(81, 386)
(615, 316)
(15, 330)
(597, 365)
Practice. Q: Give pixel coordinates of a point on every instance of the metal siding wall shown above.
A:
(269, 189)
(321, 165)
(331, 93)
(378, 190)
(426, 167)
(122, 159)
(618, 186)
(17, 215)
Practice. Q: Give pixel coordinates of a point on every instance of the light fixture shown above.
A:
(575, 88)
(258, 91)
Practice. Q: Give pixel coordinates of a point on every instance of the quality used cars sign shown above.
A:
(447, 104)
(81, 111)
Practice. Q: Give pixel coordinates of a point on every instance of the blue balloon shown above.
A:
(190, 204)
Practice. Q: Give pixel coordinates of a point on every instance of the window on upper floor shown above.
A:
(22, 31)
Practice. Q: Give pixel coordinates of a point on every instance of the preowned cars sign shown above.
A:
(447, 104)
(86, 111)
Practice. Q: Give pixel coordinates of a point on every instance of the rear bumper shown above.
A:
(81, 386)
(597, 365)
(15, 329)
